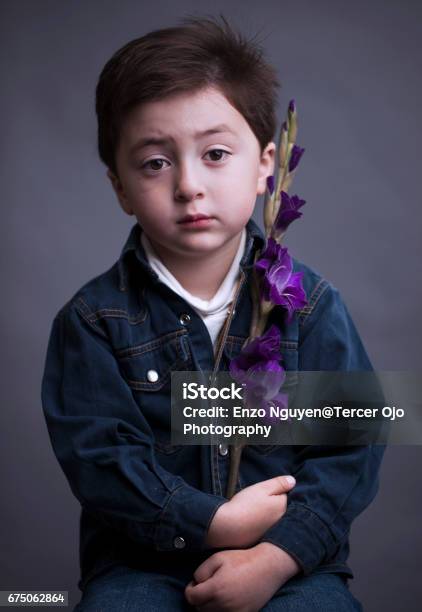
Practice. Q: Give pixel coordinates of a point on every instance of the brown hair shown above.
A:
(186, 58)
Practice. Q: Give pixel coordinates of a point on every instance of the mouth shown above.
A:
(196, 222)
(194, 218)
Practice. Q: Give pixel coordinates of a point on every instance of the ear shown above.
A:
(119, 191)
(266, 167)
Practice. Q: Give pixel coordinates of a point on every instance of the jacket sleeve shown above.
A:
(105, 445)
(333, 484)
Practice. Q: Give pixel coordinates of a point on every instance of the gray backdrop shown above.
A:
(354, 70)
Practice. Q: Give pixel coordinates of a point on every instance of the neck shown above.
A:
(201, 276)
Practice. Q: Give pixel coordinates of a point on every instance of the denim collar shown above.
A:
(133, 247)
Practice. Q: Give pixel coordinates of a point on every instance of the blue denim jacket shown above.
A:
(147, 503)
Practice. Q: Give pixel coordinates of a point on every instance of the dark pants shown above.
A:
(123, 589)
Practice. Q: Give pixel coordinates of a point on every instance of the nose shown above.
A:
(188, 183)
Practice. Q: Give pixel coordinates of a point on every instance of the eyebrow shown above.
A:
(155, 140)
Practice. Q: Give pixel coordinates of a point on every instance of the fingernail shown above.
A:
(291, 480)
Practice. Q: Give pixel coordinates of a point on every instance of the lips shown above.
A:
(190, 218)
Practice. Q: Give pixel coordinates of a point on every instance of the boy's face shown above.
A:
(217, 174)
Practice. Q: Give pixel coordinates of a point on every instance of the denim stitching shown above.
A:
(308, 307)
(140, 349)
(83, 309)
(121, 314)
(286, 344)
(140, 385)
(319, 290)
(94, 316)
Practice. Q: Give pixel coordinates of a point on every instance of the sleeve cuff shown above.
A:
(303, 535)
(185, 519)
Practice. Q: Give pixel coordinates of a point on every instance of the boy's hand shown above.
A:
(240, 580)
(243, 520)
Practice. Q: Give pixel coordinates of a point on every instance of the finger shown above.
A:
(207, 568)
(279, 484)
(188, 590)
(200, 594)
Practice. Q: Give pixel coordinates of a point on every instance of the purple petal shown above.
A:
(280, 272)
(281, 400)
(285, 217)
(295, 156)
(294, 296)
(270, 184)
(262, 349)
(262, 382)
(297, 202)
(272, 252)
(280, 285)
(277, 277)
(288, 211)
(262, 265)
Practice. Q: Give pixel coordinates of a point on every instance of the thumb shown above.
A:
(279, 484)
(207, 569)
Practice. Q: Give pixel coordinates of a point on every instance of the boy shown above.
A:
(186, 118)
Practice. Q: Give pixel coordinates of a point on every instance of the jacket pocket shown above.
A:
(148, 366)
(147, 370)
(289, 356)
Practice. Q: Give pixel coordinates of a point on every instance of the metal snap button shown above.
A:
(222, 449)
(184, 318)
(179, 542)
(152, 375)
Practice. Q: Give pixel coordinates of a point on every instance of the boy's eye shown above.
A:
(154, 164)
(157, 164)
(218, 151)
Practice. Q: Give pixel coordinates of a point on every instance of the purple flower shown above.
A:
(258, 367)
(287, 212)
(262, 351)
(295, 156)
(280, 285)
(270, 184)
(281, 400)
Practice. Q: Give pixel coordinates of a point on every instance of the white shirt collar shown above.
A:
(222, 297)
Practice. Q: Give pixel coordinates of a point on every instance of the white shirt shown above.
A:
(214, 311)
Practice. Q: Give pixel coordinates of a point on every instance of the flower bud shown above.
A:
(283, 145)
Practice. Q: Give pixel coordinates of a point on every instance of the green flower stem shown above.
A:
(259, 318)
(268, 213)
(235, 454)
(258, 323)
(282, 179)
(236, 449)
(256, 302)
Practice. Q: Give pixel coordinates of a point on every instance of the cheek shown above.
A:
(147, 195)
(244, 177)
(139, 189)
